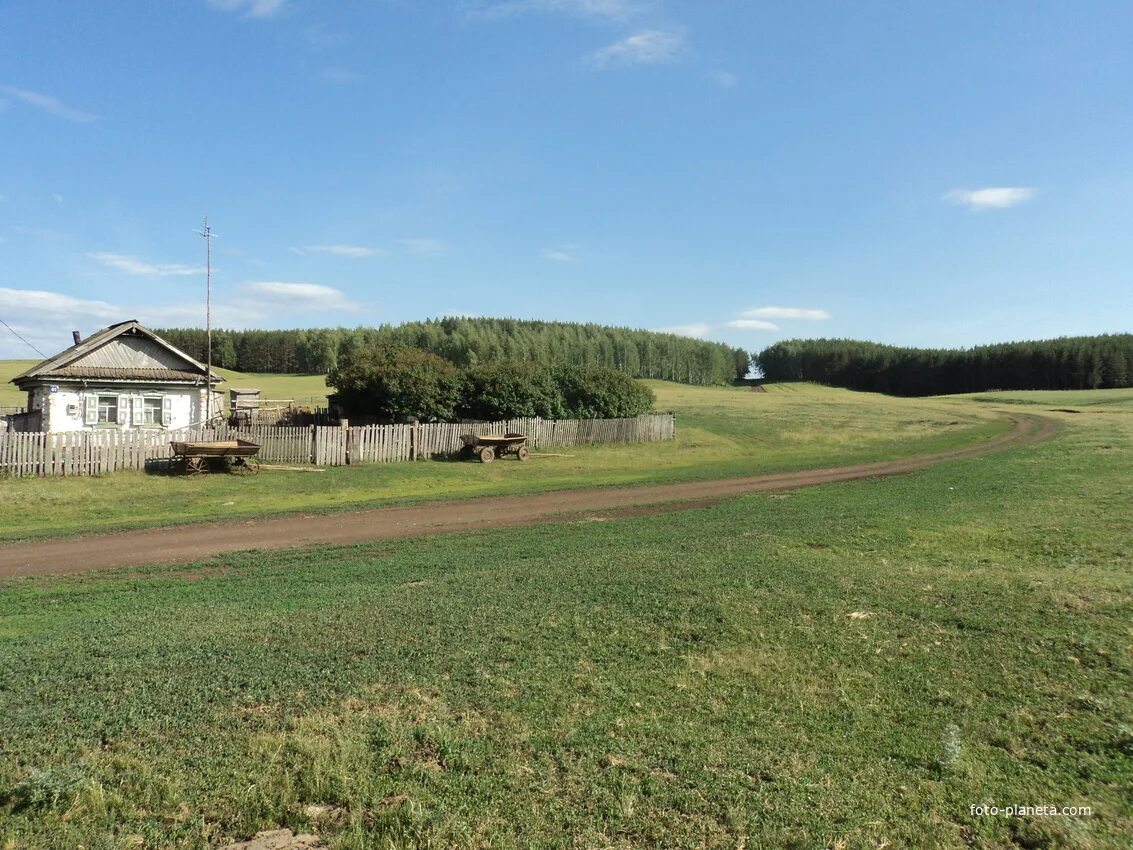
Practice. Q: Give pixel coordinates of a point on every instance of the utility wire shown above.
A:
(21, 339)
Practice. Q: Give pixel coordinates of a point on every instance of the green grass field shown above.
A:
(851, 666)
(720, 433)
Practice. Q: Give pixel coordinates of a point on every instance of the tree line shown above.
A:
(1067, 363)
(467, 342)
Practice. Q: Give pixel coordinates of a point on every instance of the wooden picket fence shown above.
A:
(99, 452)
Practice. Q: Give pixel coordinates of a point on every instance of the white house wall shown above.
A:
(64, 410)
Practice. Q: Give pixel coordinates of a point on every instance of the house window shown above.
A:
(153, 411)
(108, 409)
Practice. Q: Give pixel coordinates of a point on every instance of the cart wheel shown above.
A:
(196, 466)
(522, 453)
(245, 466)
(487, 454)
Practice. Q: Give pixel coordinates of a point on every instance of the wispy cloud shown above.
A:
(785, 313)
(611, 10)
(559, 256)
(300, 296)
(424, 245)
(56, 197)
(695, 329)
(751, 325)
(649, 47)
(46, 318)
(135, 266)
(724, 79)
(991, 197)
(249, 8)
(50, 105)
(757, 319)
(339, 250)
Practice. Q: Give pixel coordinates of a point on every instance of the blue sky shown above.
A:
(921, 173)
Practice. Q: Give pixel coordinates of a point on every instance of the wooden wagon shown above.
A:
(197, 458)
(490, 446)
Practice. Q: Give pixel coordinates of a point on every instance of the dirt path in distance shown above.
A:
(187, 543)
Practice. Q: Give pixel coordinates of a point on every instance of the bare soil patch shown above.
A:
(186, 544)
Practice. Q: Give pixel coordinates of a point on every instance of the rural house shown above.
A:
(125, 376)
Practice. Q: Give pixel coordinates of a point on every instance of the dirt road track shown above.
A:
(186, 543)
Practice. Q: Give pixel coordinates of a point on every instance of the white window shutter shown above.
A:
(90, 410)
(139, 417)
(166, 411)
(123, 410)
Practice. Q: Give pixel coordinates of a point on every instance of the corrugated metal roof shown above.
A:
(126, 358)
(122, 374)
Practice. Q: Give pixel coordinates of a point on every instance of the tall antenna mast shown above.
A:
(207, 233)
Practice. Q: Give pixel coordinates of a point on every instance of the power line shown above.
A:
(21, 339)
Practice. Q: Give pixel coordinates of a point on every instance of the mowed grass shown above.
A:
(1119, 399)
(721, 432)
(850, 666)
(9, 395)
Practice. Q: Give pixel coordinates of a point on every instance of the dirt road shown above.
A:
(186, 543)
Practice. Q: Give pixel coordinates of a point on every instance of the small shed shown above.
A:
(243, 398)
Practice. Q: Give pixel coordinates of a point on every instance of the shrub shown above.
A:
(591, 392)
(510, 390)
(395, 381)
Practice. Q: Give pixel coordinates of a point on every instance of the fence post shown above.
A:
(314, 448)
(344, 424)
(413, 438)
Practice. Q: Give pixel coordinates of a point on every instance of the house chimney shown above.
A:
(77, 337)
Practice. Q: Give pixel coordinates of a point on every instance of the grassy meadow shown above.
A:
(851, 666)
(721, 432)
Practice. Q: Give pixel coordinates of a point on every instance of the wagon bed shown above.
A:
(490, 446)
(193, 458)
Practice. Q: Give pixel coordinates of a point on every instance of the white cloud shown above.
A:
(649, 47)
(558, 256)
(751, 325)
(612, 10)
(724, 79)
(424, 246)
(991, 197)
(249, 8)
(299, 296)
(51, 306)
(46, 318)
(784, 313)
(50, 105)
(339, 250)
(696, 329)
(56, 197)
(136, 266)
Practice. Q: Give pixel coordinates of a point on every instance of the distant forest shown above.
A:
(1068, 363)
(468, 341)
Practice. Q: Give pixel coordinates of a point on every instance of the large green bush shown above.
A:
(396, 382)
(591, 392)
(510, 390)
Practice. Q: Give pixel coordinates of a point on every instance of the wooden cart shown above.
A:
(196, 458)
(490, 446)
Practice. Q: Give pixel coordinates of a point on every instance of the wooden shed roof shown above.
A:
(115, 363)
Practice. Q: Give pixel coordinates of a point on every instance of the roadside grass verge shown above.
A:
(850, 666)
(721, 433)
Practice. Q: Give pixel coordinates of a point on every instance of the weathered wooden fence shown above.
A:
(98, 452)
